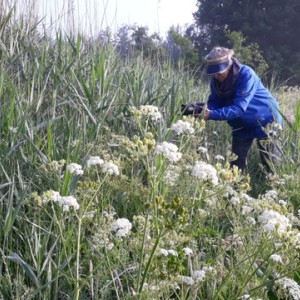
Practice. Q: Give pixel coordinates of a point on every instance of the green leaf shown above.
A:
(26, 267)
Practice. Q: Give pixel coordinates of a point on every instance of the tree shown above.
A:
(179, 47)
(123, 41)
(248, 54)
(273, 25)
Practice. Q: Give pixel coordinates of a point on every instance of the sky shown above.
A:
(93, 15)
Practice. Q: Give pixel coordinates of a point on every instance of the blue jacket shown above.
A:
(250, 109)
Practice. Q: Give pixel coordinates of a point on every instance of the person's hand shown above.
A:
(206, 114)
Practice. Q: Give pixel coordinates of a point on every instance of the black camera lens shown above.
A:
(192, 109)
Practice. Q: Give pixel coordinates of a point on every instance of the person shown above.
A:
(238, 96)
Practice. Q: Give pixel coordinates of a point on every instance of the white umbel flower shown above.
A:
(121, 227)
(110, 168)
(173, 253)
(276, 258)
(68, 201)
(163, 252)
(182, 127)
(205, 172)
(151, 112)
(94, 161)
(50, 196)
(169, 150)
(187, 280)
(65, 202)
(188, 251)
(287, 288)
(199, 275)
(274, 221)
(219, 157)
(75, 169)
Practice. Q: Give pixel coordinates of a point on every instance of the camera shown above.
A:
(192, 109)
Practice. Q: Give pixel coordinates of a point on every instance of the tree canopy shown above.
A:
(272, 25)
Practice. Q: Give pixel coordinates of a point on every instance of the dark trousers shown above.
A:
(268, 151)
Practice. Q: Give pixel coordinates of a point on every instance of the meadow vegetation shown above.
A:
(107, 192)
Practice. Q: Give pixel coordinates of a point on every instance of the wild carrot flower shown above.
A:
(287, 288)
(246, 209)
(182, 127)
(205, 172)
(65, 202)
(173, 253)
(188, 251)
(13, 129)
(110, 168)
(276, 258)
(282, 202)
(166, 252)
(245, 297)
(199, 275)
(121, 227)
(274, 221)
(94, 161)
(219, 157)
(163, 252)
(187, 280)
(148, 111)
(50, 196)
(151, 111)
(68, 201)
(169, 150)
(75, 169)
(202, 149)
(270, 195)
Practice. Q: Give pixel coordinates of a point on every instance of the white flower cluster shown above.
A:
(197, 276)
(151, 111)
(165, 252)
(121, 227)
(182, 127)
(219, 157)
(245, 297)
(169, 150)
(205, 172)
(202, 149)
(274, 221)
(187, 280)
(107, 167)
(188, 251)
(94, 161)
(110, 168)
(75, 169)
(64, 201)
(276, 258)
(288, 288)
(270, 195)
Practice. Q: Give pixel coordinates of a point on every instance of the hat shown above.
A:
(218, 60)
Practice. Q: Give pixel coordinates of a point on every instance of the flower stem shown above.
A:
(77, 287)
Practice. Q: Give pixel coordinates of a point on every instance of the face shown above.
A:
(222, 76)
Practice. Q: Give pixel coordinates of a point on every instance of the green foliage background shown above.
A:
(272, 26)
